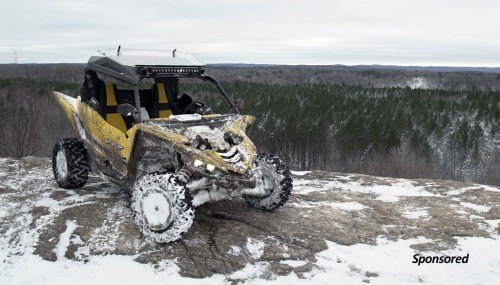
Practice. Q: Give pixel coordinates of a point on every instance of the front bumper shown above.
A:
(228, 181)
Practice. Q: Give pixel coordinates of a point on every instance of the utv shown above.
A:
(170, 151)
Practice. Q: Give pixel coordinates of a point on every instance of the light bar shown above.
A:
(174, 70)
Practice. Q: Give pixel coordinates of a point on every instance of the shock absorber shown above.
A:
(184, 174)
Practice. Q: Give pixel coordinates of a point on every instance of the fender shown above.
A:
(70, 108)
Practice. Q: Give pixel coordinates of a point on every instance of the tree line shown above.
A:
(391, 131)
(385, 131)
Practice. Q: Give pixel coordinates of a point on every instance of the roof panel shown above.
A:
(159, 58)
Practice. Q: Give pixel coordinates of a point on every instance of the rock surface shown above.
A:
(38, 217)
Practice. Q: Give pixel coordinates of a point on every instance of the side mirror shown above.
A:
(125, 109)
(239, 103)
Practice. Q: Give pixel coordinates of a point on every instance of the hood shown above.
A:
(217, 140)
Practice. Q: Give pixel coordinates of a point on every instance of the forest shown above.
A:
(399, 123)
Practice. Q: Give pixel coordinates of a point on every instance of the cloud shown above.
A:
(287, 32)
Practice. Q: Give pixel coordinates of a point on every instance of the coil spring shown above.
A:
(184, 174)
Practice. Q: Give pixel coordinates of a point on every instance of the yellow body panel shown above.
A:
(116, 120)
(105, 134)
(165, 114)
(68, 105)
(71, 107)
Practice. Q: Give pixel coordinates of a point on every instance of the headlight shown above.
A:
(198, 163)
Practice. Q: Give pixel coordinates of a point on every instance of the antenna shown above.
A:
(173, 52)
(118, 51)
(16, 64)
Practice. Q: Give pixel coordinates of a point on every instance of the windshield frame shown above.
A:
(222, 91)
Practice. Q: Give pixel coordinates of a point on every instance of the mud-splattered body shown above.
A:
(207, 158)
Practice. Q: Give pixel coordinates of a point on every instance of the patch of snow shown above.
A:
(493, 227)
(417, 83)
(489, 188)
(168, 266)
(294, 263)
(304, 187)
(234, 250)
(300, 173)
(471, 188)
(64, 240)
(397, 266)
(347, 206)
(386, 193)
(109, 269)
(476, 207)
(3, 212)
(201, 197)
(417, 214)
(49, 203)
(392, 193)
(185, 117)
(250, 271)
(476, 217)
(18, 182)
(255, 247)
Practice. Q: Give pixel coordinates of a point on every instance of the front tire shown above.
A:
(276, 179)
(70, 163)
(162, 206)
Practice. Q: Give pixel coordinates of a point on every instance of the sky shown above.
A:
(390, 32)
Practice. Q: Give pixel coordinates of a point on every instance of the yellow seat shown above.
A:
(164, 110)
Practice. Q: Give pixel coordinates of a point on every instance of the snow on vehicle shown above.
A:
(170, 152)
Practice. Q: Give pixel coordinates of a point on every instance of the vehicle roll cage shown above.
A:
(134, 74)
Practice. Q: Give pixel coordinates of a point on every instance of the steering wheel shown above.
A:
(196, 107)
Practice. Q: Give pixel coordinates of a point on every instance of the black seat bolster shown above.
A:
(184, 101)
(146, 102)
(100, 88)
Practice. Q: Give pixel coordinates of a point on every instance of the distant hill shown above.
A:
(8, 67)
(366, 67)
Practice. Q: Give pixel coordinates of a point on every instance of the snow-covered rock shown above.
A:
(336, 228)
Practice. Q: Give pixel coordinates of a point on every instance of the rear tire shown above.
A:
(162, 206)
(70, 163)
(277, 177)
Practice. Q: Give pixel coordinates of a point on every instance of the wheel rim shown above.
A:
(268, 181)
(61, 164)
(156, 210)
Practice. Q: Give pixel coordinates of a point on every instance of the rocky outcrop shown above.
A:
(40, 218)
